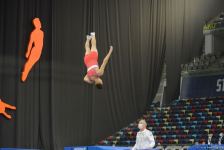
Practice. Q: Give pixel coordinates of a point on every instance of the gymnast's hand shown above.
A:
(4, 106)
(27, 54)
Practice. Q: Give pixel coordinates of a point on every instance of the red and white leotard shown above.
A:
(91, 62)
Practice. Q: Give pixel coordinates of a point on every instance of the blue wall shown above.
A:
(202, 86)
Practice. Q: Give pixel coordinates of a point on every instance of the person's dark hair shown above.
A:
(99, 86)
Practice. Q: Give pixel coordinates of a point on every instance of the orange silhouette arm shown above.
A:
(7, 115)
(29, 45)
(3, 106)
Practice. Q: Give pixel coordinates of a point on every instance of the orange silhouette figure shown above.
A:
(34, 49)
(4, 106)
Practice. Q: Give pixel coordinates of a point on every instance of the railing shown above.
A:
(207, 147)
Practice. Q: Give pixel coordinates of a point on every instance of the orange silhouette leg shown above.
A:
(7, 115)
(28, 66)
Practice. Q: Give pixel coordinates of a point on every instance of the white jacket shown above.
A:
(144, 140)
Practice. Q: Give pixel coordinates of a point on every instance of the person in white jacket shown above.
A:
(144, 138)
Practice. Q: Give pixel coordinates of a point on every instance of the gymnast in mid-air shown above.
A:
(94, 71)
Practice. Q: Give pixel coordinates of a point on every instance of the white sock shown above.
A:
(88, 37)
(92, 33)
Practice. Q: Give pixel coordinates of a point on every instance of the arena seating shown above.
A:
(203, 62)
(184, 123)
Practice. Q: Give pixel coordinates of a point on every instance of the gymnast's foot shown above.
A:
(92, 34)
(88, 37)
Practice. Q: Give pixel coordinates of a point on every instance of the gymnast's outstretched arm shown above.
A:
(87, 80)
(100, 72)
